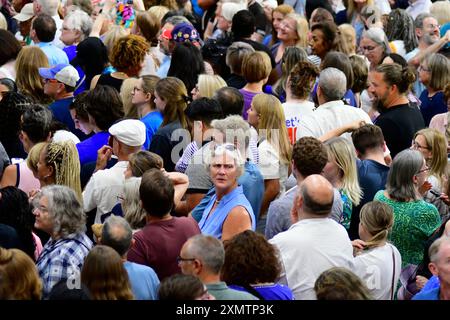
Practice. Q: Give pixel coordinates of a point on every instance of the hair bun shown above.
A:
(408, 75)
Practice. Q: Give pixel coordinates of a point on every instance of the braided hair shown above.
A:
(400, 26)
(63, 157)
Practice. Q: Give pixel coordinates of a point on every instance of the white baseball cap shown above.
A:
(64, 73)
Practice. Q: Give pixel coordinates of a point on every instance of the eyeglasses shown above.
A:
(432, 26)
(40, 208)
(286, 25)
(50, 81)
(423, 170)
(180, 259)
(368, 48)
(417, 146)
(422, 68)
(224, 147)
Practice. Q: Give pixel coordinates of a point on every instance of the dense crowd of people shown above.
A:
(224, 150)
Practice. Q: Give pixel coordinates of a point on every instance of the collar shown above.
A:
(44, 44)
(217, 286)
(331, 104)
(229, 196)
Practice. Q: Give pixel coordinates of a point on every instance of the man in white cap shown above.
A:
(24, 19)
(59, 84)
(102, 190)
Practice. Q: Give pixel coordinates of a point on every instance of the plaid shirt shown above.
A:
(62, 259)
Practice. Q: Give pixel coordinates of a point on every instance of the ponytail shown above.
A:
(377, 218)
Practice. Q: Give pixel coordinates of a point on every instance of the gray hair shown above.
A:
(433, 251)
(49, 7)
(418, 22)
(221, 149)
(209, 250)
(80, 20)
(234, 128)
(174, 20)
(117, 234)
(133, 212)
(235, 55)
(405, 166)
(378, 36)
(332, 83)
(64, 209)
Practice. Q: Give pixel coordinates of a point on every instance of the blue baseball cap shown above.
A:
(64, 73)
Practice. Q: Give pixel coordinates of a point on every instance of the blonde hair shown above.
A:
(19, 278)
(272, 124)
(125, 93)
(158, 11)
(209, 84)
(33, 156)
(63, 157)
(302, 28)
(441, 11)
(28, 80)
(351, 9)
(114, 33)
(437, 144)
(256, 66)
(377, 218)
(346, 39)
(344, 154)
(133, 212)
(3, 23)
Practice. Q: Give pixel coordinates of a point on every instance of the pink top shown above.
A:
(439, 122)
(38, 243)
(25, 178)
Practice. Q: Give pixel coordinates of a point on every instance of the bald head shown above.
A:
(317, 194)
(117, 234)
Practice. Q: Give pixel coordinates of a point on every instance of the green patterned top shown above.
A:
(414, 222)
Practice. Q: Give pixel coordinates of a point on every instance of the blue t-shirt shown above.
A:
(270, 292)
(432, 294)
(152, 122)
(430, 107)
(144, 281)
(60, 110)
(87, 149)
(71, 52)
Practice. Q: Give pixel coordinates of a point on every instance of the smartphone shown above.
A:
(434, 192)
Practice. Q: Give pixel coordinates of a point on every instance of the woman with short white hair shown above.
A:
(59, 213)
(228, 212)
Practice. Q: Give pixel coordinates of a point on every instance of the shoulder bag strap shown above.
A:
(393, 273)
(254, 292)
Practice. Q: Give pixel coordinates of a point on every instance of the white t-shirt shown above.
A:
(384, 6)
(270, 165)
(293, 111)
(307, 249)
(375, 268)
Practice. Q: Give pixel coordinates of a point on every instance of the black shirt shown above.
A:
(399, 124)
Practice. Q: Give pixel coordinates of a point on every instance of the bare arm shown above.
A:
(341, 130)
(94, 81)
(272, 188)
(192, 200)
(9, 177)
(180, 183)
(139, 5)
(435, 47)
(237, 221)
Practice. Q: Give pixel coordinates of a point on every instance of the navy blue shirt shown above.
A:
(60, 110)
(372, 177)
(431, 106)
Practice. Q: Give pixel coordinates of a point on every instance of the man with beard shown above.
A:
(427, 32)
(399, 121)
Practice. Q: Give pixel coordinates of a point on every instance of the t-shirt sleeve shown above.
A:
(137, 252)
(90, 195)
(429, 220)
(269, 163)
(199, 180)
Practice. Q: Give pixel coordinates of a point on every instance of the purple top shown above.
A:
(248, 97)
